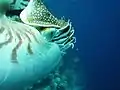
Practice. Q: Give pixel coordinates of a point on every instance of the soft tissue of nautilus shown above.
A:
(27, 54)
(56, 30)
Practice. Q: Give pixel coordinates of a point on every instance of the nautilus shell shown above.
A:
(25, 56)
(31, 49)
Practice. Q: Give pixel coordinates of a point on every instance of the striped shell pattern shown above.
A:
(31, 49)
(25, 56)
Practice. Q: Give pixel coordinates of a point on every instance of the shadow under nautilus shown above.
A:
(32, 48)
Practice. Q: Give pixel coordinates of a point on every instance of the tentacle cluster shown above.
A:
(59, 31)
(64, 37)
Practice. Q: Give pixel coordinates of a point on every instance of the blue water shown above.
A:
(97, 29)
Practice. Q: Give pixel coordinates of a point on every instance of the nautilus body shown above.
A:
(31, 49)
(55, 30)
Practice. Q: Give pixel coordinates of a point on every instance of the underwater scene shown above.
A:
(59, 45)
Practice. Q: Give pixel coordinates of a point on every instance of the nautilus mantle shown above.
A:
(27, 53)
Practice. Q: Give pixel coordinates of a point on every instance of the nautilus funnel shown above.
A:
(36, 14)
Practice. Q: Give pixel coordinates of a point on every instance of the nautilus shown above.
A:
(32, 48)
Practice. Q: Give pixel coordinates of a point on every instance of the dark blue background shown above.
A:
(97, 26)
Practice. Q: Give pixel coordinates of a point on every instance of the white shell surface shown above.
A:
(30, 62)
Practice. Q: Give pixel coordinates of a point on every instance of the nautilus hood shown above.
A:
(37, 14)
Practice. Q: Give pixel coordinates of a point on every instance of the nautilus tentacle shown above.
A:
(64, 37)
(26, 54)
(56, 30)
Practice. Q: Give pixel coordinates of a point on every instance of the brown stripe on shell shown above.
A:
(8, 41)
(2, 30)
(24, 33)
(34, 36)
(14, 51)
(29, 49)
